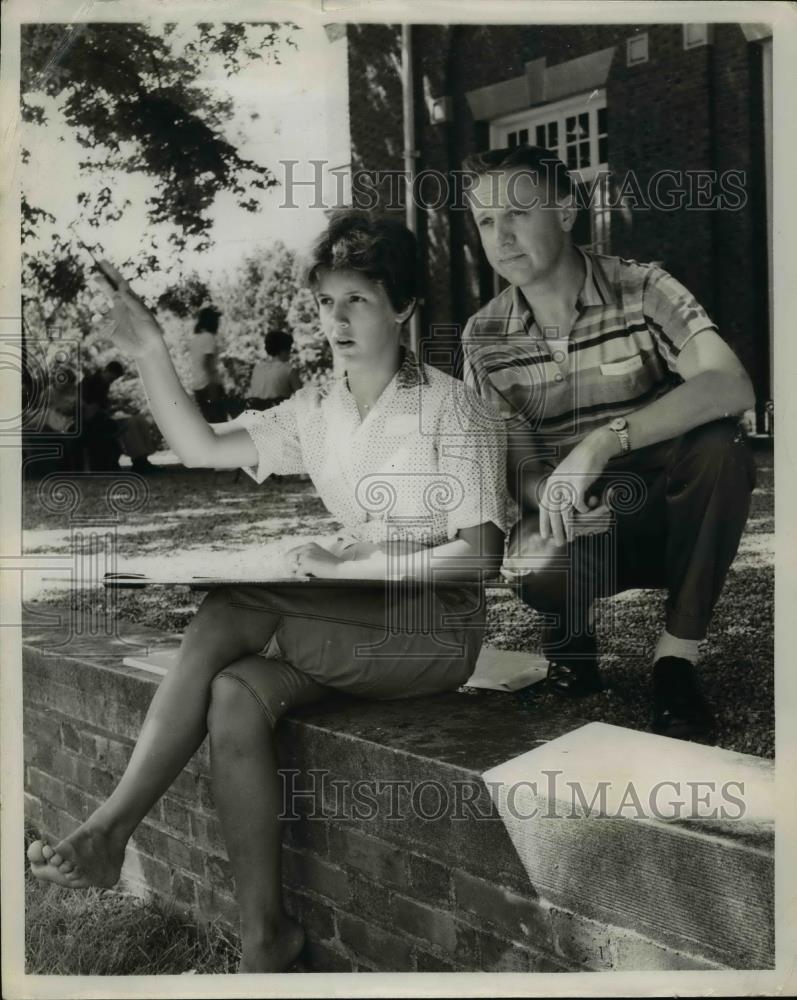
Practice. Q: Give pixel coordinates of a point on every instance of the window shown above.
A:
(577, 131)
(696, 35)
(636, 50)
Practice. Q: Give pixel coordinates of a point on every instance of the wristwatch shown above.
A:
(620, 427)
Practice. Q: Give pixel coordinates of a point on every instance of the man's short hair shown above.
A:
(378, 247)
(115, 368)
(541, 162)
(278, 342)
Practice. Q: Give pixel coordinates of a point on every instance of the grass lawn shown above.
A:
(205, 522)
(198, 522)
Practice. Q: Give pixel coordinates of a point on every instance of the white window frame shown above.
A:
(558, 111)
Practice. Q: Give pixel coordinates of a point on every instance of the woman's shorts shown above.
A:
(384, 641)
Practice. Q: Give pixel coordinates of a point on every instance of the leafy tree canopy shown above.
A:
(134, 97)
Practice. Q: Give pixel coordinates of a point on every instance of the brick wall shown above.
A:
(683, 110)
(376, 893)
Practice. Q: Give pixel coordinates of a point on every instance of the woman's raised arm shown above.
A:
(188, 434)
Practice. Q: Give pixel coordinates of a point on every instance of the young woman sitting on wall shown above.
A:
(412, 464)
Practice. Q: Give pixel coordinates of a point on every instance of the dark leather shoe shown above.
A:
(679, 708)
(574, 680)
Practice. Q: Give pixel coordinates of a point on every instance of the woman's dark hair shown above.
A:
(277, 342)
(378, 247)
(536, 160)
(115, 368)
(207, 320)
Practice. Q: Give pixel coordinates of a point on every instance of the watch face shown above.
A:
(619, 424)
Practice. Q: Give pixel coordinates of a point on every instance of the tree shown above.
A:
(133, 97)
(134, 100)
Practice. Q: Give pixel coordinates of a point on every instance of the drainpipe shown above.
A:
(410, 155)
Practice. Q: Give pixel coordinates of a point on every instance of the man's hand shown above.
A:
(563, 497)
(312, 560)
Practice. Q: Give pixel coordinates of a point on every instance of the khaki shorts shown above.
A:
(380, 642)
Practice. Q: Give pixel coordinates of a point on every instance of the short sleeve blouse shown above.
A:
(427, 460)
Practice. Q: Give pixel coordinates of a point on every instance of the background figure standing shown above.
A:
(103, 436)
(206, 380)
(273, 379)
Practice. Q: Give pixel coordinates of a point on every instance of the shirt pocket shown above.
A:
(627, 367)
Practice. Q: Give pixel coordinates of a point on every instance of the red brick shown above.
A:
(175, 815)
(158, 875)
(70, 737)
(437, 927)
(514, 916)
(318, 957)
(382, 861)
(370, 900)
(308, 834)
(33, 811)
(159, 844)
(47, 788)
(429, 880)
(205, 830)
(426, 962)
(316, 917)
(218, 872)
(306, 871)
(184, 889)
(389, 952)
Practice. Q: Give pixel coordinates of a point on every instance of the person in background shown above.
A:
(104, 436)
(273, 380)
(205, 378)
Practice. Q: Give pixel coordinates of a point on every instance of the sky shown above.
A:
(294, 111)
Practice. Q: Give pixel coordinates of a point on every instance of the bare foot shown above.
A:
(276, 952)
(87, 857)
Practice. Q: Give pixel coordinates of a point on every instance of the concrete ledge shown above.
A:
(678, 843)
(396, 857)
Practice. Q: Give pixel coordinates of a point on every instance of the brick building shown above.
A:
(691, 100)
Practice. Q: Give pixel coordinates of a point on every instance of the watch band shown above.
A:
(620, 428)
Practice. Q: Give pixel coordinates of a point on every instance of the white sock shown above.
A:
(671, 645)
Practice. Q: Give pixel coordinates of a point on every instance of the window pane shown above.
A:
(539, 137)
(603, 149)
(583, 125)
(523, 135)
(572, 159)
(570, 126)
(553, 135)
(583, 154)
(603, 122)
(511, 140)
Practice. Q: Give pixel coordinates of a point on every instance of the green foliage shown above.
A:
(265, 295)
(133, 96)
(185, 296)
(136, 104)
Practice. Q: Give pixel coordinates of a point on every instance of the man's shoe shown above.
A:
(679, 708)
(574, 679)
(144, 466)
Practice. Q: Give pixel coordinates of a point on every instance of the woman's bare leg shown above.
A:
(221, 632)
(247, 793)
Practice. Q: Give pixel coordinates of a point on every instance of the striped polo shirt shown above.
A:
(631, 322)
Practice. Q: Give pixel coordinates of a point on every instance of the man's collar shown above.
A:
(594, 291)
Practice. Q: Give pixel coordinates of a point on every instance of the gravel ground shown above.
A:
(190, 518)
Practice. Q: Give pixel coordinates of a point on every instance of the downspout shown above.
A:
(410, 155)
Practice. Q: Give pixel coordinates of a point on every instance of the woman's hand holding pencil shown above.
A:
(134, 328)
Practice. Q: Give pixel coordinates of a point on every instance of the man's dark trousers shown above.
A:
(679, 511)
